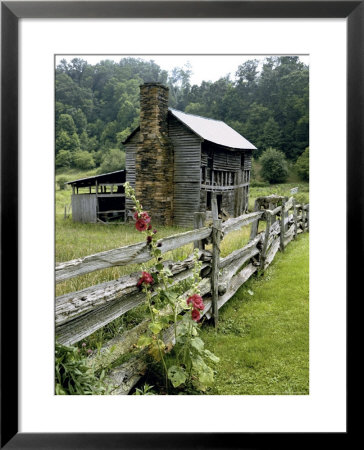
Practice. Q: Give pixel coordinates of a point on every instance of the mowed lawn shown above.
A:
(263, 334)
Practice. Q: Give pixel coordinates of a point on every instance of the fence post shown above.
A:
(295, 218)
(283, 215)
(263, 255)
(254, 228)
(214, 210)
(198, 222)
(303, 218)
(216, 239)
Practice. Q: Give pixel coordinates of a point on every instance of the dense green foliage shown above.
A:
(97, 106)
(274, 168)
(303, 165)
(73, 376)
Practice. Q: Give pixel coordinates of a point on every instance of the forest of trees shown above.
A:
(97, 106)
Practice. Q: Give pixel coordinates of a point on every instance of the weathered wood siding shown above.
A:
(187, 162)
(226, 160)
(84, 208)
(247, 160)
(130, 154)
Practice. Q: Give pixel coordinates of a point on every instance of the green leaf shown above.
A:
(144, 340)
(211, 356)
(197, 344)
(159, 266)
(155, 327)
(177, 375)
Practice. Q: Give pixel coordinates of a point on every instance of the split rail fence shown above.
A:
(79, 314)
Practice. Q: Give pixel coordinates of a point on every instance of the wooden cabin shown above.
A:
(178, 162)
(99, 199)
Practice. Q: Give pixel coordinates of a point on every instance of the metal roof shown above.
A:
(214, 131)
(117, 176)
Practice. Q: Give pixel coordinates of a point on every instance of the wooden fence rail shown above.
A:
(79, 314)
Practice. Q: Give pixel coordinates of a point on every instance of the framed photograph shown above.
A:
(39, 36)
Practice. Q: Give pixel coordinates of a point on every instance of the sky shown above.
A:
(204, 67)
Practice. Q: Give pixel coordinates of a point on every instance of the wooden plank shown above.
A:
(240, 253)
(295, 218)
(135, 253)
(289, 204)
(75, 304)
(238, 222)
(216, 238)
(236, 282)
(82, 322)
(199, 222)
(254, 228)
(272, 252)
(282, 226)
(266, 239)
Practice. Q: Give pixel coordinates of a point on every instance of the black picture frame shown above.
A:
(11, 12)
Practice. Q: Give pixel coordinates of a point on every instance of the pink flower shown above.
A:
(146, 278)
(196, 301)
(141, 225)
(195, 314)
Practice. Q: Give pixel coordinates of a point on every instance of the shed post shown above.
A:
(198, 222)
(216, 239)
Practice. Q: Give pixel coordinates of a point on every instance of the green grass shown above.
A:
(262, 338)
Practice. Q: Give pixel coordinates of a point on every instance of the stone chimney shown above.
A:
(154, 156)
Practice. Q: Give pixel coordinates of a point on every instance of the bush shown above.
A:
(303, 165)
(64, 159)
(61, 183)
(72, 374)
(83, 160)
(274, 166)
(113, 160)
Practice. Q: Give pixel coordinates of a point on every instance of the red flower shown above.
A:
(136, 215)
(196, 301)
(195, 315)
(145, 217)
(141, 225)
(146, 278)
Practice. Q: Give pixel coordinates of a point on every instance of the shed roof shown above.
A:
(111, 177)
(214, 131)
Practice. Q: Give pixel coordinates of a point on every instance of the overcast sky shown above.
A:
(204, 67)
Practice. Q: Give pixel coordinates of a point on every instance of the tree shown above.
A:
(113, 160)
(302, 165)
(83, 160)
(271, 134)
(64, 159)
(274, 168)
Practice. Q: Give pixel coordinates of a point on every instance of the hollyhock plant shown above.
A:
(189, 362)
(146, 278)
(195, 314)
(196, 301)
(141, 225)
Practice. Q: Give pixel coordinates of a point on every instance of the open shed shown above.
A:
(100, 198)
